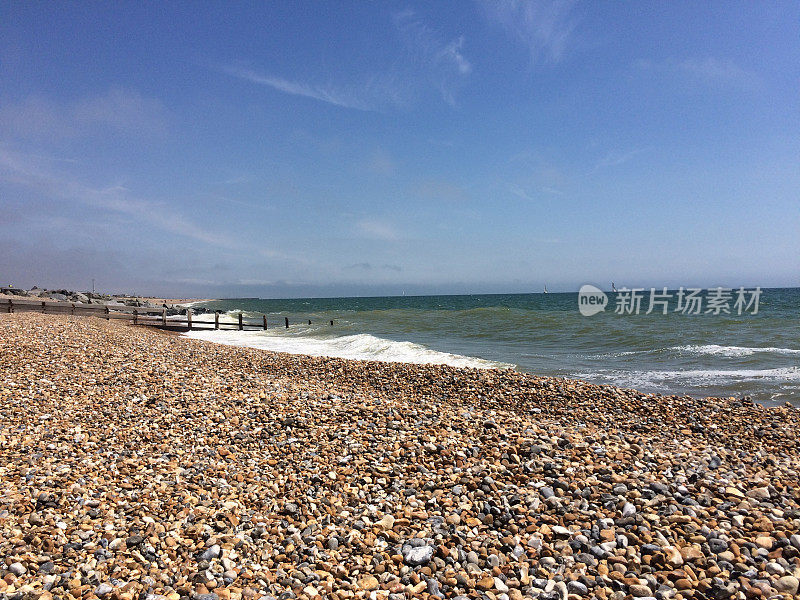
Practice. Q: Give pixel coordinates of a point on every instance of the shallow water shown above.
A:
(699, 354)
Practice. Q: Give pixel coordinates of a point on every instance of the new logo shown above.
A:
(591, 300)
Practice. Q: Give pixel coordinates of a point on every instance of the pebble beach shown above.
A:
(139, 465)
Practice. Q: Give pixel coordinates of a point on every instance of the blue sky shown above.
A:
(349, 148)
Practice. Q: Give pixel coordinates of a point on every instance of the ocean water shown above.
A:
(756, 355)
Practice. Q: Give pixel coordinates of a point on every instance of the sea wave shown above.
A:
(704, 350)
(692, 377)
(734, 351)
(359, 347)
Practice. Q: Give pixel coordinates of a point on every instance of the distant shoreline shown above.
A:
(91, 298)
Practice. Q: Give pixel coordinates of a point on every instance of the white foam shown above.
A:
(734, 351)
(359, 347)
(693, 377)
(706, 350)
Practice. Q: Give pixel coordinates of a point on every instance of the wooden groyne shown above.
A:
(150, 316)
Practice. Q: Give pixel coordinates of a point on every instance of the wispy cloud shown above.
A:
(519, 191)
(372, 95)
(545, 27)
(452, 53)
(614, 159)
(377, 229)
(123, 109)
(440, 190)
(365, 266)
(381, 162)
(523, 193)
(118, 110)
(553, 191)
(431, 59)
(708, 70)
(17, 169)
(442, 61)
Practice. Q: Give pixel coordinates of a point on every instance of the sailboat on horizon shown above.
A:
(545, 289)
(613, 287)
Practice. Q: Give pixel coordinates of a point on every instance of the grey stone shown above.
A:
(576, 587)
(421, 555)
(211, 552)
(717, 545)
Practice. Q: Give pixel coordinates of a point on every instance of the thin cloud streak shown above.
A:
(17, 171)
(520, 192)
(614, 159)
(708, 70)
(368, 97)
(366, 266)
(377, 230)
(118, 110)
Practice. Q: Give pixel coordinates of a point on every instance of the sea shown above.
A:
(703, 351)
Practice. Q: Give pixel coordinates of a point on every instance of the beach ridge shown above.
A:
(136, 463)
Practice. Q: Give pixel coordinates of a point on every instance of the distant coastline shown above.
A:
(86, 297)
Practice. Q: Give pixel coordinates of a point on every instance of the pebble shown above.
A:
(787, 584)
(639, 591)
(139, 465)
(576, 587)
(211, 552)
(420, 555)
(500, 585)
(368, 583)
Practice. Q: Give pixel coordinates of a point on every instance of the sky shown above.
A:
(289, 149)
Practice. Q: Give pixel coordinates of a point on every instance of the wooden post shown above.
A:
(240, 322)
(265, 322)
(189, 318)
(107, 311)
(44, 307)
(216, 319)
(135, 316)
(10, 306)
(164, 317)
(72, 308)
(287, 322)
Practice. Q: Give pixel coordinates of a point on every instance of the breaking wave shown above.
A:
(358, 347)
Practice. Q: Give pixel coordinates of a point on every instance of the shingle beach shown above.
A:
(140, 465)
